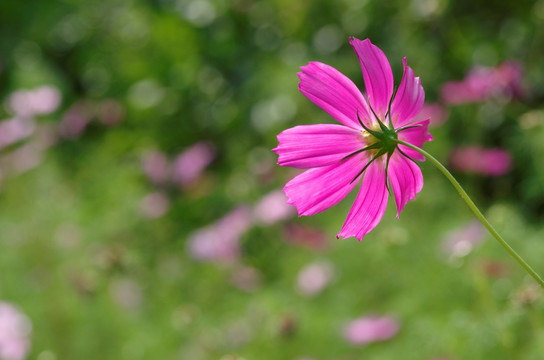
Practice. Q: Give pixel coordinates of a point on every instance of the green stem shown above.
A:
(476, 211)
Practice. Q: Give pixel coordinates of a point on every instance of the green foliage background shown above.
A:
(73, 234)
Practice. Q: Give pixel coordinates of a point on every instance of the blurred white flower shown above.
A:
(40, 101)
(461, 241)
(154, 205)
(127, 293)
(313, 278)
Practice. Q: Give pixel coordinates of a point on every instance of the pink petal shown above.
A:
(310, 146)
(409, 98)
(318, 189)
(376, 73)
(370, 204)
(333, 92)
(416, 136)
(405, 178)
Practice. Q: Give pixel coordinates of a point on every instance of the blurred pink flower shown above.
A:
(21, 159)
(477, 160)
(246, 278)
(110, 112)
(461, 241)
(15, 329)
(40, 101)
(273, 207)
(127, 293)
(16, 129)
(219, 241)
(483, 83)
(495, 268)
(307, 237)
(75, 120)
(370, 329)
(314, 277)
(155, 205)
(156, 167)
(435, 112)
(190, 163)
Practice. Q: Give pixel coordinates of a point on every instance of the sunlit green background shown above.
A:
(96, 254)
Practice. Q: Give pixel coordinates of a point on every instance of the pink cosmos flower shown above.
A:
(364, 146)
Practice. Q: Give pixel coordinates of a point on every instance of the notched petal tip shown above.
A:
(369, 205)
(353, 39)
(291, 201)
(344, 237)
(377, 74)
(409, 98)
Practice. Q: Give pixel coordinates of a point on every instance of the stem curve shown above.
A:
(476, 211)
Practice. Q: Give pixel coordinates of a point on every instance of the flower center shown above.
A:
(382, 139)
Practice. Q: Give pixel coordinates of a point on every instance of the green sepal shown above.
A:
(369, 147)
(371, 132)
(380, 153)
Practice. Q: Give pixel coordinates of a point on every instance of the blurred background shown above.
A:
(141, 211)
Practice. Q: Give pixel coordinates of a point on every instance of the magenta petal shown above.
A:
(405, 178)
(318, 189)
(417, 136)
(370, 204)
(311, 146)
(409, 98)
(333, 92)
(376, 74)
